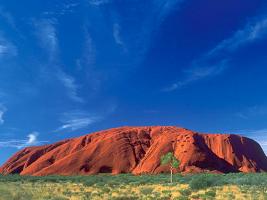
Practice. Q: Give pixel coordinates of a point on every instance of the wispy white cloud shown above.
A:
(215, 61)
(47, 34)
(135, 37)
(70, 85)
(7, 49)
(98, 2)
(165, 7)
(252, 111)
(117, 35)
(75, 124)
(63, 9)
(87, 63)
(89, 54)
(32, 140)
(79, 119)
(3, 49)
(197, 73)
(160, 10)
(68, 8)
(76, 120)
(70, 5)
(1, 117)
(2, 112)
(251, 32)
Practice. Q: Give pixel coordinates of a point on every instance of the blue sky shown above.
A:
(73, 67)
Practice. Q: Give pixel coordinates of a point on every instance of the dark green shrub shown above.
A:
(146, 190)
(166, 191)
(182, 198)
(88, 183)
(124, 198)
(87, 195)
(195, 196)
(203, 181)
(210, 193)
(185, 192)
(105, 189)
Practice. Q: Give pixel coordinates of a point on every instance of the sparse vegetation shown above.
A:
(127, 186)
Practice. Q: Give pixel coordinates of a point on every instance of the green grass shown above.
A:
(127, 186)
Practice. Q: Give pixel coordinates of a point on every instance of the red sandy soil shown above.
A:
(138, 150)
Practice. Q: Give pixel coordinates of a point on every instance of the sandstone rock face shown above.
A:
(138, 150)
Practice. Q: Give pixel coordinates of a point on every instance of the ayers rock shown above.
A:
(138, 150)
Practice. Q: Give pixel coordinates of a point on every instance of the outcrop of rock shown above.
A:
(138, 150)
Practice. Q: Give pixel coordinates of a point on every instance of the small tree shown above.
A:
(169, 159)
